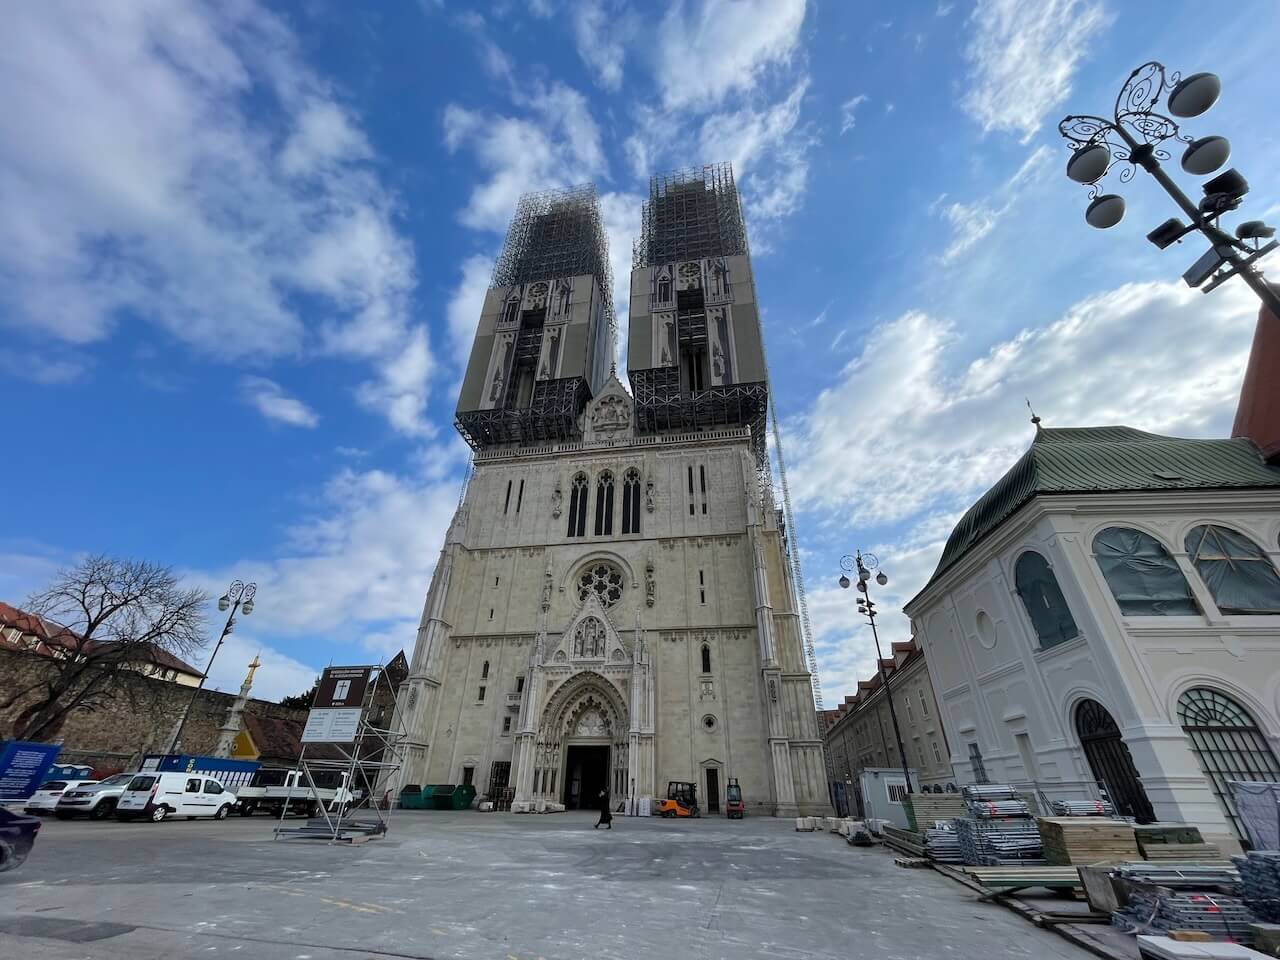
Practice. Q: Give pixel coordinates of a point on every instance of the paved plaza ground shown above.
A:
(491, 886)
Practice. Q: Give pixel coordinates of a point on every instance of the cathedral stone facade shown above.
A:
(613, 608)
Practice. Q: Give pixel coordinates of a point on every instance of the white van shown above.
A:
(159, 795)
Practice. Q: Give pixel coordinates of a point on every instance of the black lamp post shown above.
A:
(1134, 136)
(239, 598)
(864, 563)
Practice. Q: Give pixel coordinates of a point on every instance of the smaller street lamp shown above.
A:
(1134, 136)
(239, 599)
(864, 563)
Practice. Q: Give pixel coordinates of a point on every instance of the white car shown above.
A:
(97, 802)
(45, 800)
(159, 795)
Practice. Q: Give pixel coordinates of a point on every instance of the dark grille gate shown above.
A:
(1228, 745)
(1111, 762)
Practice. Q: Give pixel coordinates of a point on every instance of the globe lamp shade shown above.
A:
(1106, 211)
(1088, 164)
(1206, 155)
(1194, 95)
(844, 582)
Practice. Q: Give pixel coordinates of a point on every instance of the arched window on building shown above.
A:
(1041, 595)
(1228, 745)
(631, 501)
(604, 504)
(1240, 576)
(484, 671)
(578, 506)
(706, 659)
(1145, 580)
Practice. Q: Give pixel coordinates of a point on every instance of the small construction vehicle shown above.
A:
(734, 808)
(681, 801)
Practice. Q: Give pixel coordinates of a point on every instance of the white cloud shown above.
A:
(621, 215)
(187, 166)
(278, 676)
(270, 400)
(935, 430)
(557, 145)
(848, 112)
(769, 150)
(598, 33)
(1022, 56)
(465, 304)
(708, 49)
(360, 562)
(971, 222)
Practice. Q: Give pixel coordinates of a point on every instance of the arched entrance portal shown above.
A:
(1111, 762)
(582, 743)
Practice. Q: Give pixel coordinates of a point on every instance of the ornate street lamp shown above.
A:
(864, 563)
(239, 599)
(1134, 137)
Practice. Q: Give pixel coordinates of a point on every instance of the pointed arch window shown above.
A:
(1145, 580)
(1237, 572)
(1228, 745)
(706, 658)
(604, 504)
(631, 501)
(484, 671)
(1041, 595)
(578, 506)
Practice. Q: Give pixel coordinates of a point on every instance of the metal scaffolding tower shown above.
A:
(558, 233)
(690, 214)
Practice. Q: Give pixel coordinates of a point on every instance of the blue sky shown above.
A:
(243, 247)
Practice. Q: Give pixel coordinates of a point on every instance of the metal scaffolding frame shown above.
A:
(690, 214)
(558, 233)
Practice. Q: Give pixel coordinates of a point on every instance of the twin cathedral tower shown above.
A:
(613, 607)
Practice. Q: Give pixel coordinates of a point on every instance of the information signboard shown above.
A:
(23, 767)
(332, 725)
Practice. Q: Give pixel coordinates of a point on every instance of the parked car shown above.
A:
(96, 801)
(159, 795)
(45, 800)
(17, 835)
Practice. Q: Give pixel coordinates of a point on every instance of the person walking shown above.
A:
(606, 817)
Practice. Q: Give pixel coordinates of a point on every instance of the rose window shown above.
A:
(603, 579)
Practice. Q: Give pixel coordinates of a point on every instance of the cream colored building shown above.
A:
(1106, 618)
(613, 608)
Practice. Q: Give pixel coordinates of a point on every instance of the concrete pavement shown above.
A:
(472, 885)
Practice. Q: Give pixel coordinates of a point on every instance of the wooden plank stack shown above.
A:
(1183, 852)
(923, 809)
(1085, 840)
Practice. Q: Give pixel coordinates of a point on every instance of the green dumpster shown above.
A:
(411, 798)
(449, 796)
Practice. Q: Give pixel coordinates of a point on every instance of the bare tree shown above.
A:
(107, 622)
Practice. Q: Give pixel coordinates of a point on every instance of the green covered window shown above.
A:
(1145, 580)
(1242, 578)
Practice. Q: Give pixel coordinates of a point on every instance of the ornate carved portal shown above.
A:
(582, 744)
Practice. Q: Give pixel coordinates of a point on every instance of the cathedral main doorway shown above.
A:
(586, 773)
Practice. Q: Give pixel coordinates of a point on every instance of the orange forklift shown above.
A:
(681, 800)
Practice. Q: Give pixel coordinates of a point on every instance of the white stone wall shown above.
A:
(996, 684)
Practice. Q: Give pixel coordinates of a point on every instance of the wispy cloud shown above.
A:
(848, 112)
(270, 400)
(1022, 57)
